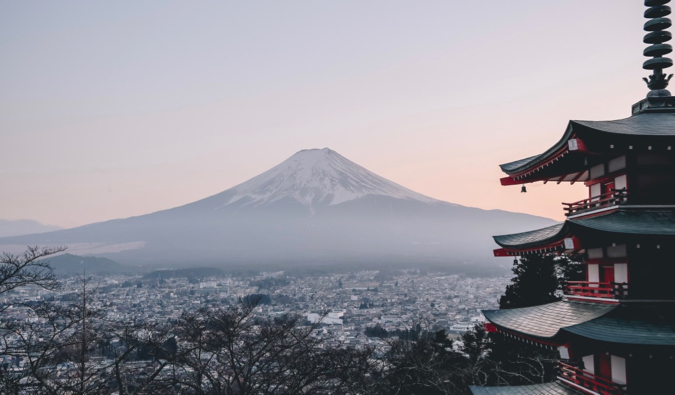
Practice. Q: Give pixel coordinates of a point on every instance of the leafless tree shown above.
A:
(28, 268)
(18, 270)
(230, 351)
(76, 349)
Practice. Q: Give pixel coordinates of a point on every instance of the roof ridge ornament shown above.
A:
(657, 36)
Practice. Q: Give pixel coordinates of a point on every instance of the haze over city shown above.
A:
(111, 110)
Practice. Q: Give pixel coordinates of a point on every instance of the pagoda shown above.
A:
(615, 331)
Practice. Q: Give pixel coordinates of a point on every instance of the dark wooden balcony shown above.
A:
(597, 289)
(590, 381)
(613, 198)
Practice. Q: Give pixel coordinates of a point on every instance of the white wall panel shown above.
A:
(597, 171)
(621, 272)
(618, 370)
(620, 182)
(589, 364)
(595, 190)
(593, 273)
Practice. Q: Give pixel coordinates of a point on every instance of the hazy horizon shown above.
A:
(111, 110)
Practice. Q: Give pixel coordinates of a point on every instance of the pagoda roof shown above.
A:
(643, 124)
(553, 388)
(634, 221)
(533, 238)
(557, 164)
(632, 324)
(546, 321)
(512, 167)
(623, 220)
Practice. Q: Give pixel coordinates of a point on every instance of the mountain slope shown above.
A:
(67, 265)
(315, 207)
(23, 227)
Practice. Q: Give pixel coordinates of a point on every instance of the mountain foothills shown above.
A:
(69, 265)
(315, 208)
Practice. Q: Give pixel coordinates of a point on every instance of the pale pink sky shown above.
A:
(109, 110)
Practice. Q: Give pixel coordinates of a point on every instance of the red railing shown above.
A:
(616, 196)
(590, 381)
(597, 289)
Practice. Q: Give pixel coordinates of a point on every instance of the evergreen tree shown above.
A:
(570, 269)
(539, 279)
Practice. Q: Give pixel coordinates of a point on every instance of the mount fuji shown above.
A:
(317, 178)
(315, 208)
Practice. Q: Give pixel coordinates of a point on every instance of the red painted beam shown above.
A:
(552, 247)
(490, 327)
(501, 252)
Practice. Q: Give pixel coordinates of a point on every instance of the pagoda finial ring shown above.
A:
(657, 35)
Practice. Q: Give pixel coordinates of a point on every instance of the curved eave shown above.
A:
(553, 388)
(545, 321)
(644, 124)
(564, 160)
(569, 235)
(629, 221)
(631, 325)
(535, 238)
(522, 165)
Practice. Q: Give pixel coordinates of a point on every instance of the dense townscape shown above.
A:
(353, 302)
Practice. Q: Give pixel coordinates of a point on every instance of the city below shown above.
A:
(347, 305)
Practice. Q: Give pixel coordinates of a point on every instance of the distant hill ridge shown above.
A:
(23, 227)
(68, 265)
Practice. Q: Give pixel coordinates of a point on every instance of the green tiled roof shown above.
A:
(644, 124)
(545, 321)
(532, 238)
(632, 221)
(632, 324)
(553, 388)
(635, 324)
(624, 220)
(509, 167)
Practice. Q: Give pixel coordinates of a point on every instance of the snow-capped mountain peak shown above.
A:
(319, 177)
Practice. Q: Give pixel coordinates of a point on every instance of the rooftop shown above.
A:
(624, 220)
(584, 141)
(545, 321)
(632, 324)
(553, 388)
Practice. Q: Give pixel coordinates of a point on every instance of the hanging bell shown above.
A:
(515, 261)
(523, 189)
